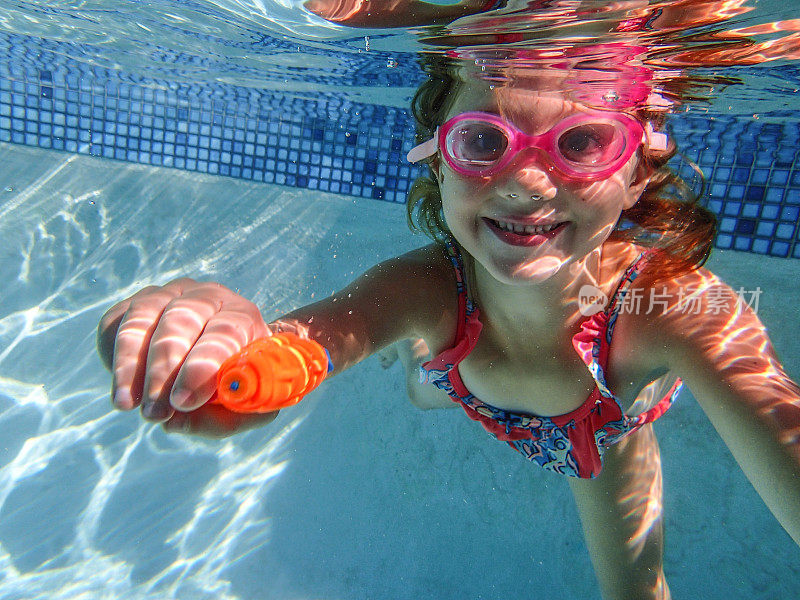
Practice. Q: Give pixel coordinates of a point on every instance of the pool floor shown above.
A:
(351, 494)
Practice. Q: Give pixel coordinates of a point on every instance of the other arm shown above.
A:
(722, 351)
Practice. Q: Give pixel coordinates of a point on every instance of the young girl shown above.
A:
(557, 308)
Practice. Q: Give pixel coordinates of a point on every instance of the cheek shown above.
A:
(615, 192)
(633, 184)
(459, 193)
(630, 197)
(451, 181)
(604, 193)
(450, 201)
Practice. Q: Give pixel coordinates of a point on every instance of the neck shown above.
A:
(549, 307)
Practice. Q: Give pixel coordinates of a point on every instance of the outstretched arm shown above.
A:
(722, 351)
(394, 13)
(405, 297)
(164, 345)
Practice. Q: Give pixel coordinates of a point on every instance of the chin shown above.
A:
(535, 271)
(540, 269)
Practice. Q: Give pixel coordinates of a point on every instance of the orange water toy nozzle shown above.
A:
(271, 373)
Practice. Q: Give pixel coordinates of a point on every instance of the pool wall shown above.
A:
(325, 142)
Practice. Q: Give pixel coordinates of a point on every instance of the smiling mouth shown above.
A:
(524, 229)
(518, 234)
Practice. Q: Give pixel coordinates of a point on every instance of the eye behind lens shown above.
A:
(591, 144)
(478, 144)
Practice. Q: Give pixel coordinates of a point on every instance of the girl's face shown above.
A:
(556, 220)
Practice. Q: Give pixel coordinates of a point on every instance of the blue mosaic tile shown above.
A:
(745, 226)
(779, 249)
(724, 241)
(751, 210)
(726, 225)
(790, 213)
(765, 229)
(760, 246)
(732, 207)
(785, 231)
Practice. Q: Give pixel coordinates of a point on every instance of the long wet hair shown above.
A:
(667, 216)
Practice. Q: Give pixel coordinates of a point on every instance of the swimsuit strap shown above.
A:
(593, 341)
(468, 325)
(624, 285)
(464, 297)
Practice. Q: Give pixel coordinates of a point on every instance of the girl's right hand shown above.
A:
(164, 346)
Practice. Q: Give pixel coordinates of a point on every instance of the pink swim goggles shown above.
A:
(584, 147)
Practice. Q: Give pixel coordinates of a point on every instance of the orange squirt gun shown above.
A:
(272, 373)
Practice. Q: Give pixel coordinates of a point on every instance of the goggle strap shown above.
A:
(425, 149)
(655, 139)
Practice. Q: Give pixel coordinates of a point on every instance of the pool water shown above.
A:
(353, 493)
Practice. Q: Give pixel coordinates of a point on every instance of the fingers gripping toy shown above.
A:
(271, 373)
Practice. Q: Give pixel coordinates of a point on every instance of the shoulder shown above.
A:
(616, 259)
(660, 321)
(684, 316)
(425, 272)
(423, 283)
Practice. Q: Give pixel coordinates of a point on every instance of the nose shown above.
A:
(529, 180)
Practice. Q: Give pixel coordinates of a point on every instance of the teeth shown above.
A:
(525, 229)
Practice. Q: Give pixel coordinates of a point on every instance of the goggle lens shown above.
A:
(476, 144)
(592, 145)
